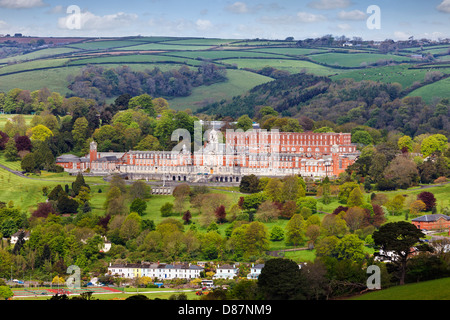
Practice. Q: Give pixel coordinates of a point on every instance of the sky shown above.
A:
(228, 19)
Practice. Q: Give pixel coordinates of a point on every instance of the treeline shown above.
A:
(374, 104)
(99, 83)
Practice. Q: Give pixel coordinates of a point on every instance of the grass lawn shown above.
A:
(428, 290)
(160, 293)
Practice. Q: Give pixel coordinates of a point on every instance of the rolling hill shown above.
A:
(50, 66)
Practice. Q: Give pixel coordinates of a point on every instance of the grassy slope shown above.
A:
(437, 90)
(239, 81)
(428, 290)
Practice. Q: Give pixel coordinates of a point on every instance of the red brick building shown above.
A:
(432, 222)
(257, 152)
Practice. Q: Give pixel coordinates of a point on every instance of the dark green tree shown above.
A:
(138, 205)
(281, 279)
(396, 242)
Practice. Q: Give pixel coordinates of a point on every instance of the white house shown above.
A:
(226, 271)
(255, 271)
(156, 270)
(15, 236)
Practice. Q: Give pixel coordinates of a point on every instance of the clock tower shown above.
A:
(93, 151)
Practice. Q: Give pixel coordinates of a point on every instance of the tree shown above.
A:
(187, 216)
(149, 143)
(79, 183)
(67, 205)
(267, 212)
(416, 207)
(138, 205)
(80, 131)
(281, 279)
(402, 172)
(166, 209)
(396, 241)
(354, 218)
(144, 102)
(23, 143)
(220, 214)
(433, 143)
(292, 189)
(350, 247)
(295, 233)
(273, 190)
(405, 142)
(355, 198)
(139, 189)
(396, 204)
(249, 239)
(427, 198)
(11, 150)
(363, 137)
(276, 233)
(249, 184)
(6, 292)
(40, 132)
(244, 122)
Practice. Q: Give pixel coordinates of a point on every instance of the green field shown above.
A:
(32, 65)
(239, 81)
(165, 47)
(353, 59)
(292, 66)
(438, 90)
(428, 290)
(38, 54)
(36, 70)
(102, 45)
(390, 74)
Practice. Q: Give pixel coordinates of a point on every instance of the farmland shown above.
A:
(50, 67)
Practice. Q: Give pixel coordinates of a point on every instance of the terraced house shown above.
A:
(155, 270)
(257, 152)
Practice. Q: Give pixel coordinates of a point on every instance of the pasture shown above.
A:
(51, 67)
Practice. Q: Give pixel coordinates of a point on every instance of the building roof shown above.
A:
(431, 218)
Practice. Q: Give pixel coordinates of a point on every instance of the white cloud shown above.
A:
(242, 8)
(309, 17)
(344, 27)
(3, 25)
(21, 4)
(401, 35)
(444, 6)
(352, 15)
(299, 18)
(329, 4)
(238, 7)
(89, 21)
(57, 10)
(204, 25)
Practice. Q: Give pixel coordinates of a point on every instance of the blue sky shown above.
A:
(242, 19)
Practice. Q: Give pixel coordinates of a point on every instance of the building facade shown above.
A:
(432, 222)
(257, 152)
(155, 270)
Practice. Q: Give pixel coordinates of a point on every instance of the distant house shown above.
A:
(255, 271)
(432, 222)
(417, 56)
(226, 271)
(15, 236)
